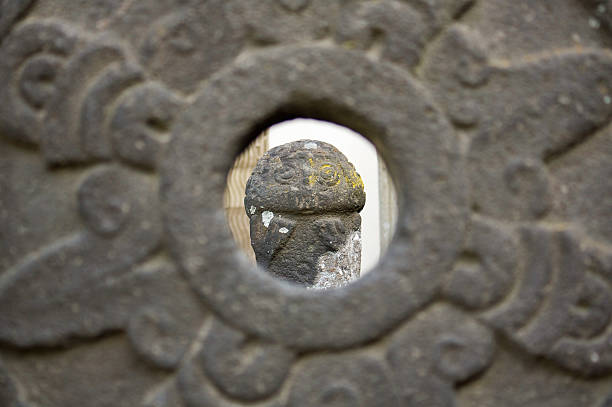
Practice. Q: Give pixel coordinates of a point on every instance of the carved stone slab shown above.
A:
(121, 286)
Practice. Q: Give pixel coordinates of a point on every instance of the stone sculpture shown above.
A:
(303, 200)
(120, 284)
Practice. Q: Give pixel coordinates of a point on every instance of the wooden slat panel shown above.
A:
(233, 200)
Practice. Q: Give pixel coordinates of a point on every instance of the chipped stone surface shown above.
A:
(339, 268)
(120, 285)
(266, 218)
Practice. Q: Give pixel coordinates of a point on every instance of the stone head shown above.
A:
(303, 200)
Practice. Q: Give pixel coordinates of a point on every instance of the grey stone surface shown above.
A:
(303, 200)
(120, 284)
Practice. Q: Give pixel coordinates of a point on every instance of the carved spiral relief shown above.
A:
(242, 368)
(500, 149)
(32, 57)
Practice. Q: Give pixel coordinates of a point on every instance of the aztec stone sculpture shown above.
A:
(303, 200)
(120, 284)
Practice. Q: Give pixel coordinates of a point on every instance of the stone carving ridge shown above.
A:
(502, 256)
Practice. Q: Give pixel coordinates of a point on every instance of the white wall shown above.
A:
(361, 153)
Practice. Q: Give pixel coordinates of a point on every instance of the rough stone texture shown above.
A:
(303, 201)
(120, 284)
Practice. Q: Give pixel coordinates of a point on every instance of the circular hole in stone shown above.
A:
(303, 223)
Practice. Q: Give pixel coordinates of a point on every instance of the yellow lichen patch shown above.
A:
(312, 179)
(349, 44)
(329, 174)
(355, 180)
